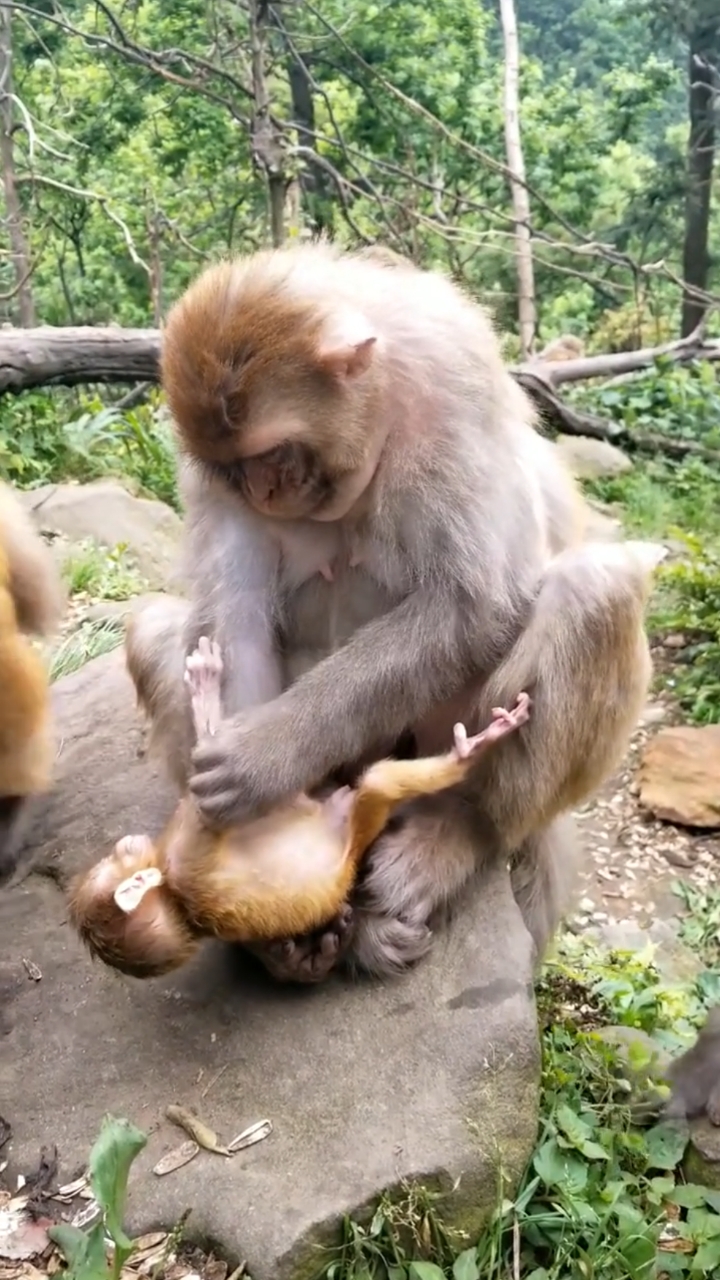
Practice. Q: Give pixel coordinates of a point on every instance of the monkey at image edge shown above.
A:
(382, 542)
(31, 602)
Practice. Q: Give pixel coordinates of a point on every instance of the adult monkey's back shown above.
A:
(372, 516)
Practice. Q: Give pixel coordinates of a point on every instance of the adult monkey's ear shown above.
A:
(347, 345)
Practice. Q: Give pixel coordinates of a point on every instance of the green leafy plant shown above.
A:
(111, 1157)
(680, 401)
(90, 640)
(102, 574)
(602, 1197)
(53, 436)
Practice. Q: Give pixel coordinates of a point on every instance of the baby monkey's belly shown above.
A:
(282, 874)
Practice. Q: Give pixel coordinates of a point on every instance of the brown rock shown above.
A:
(702, 1158)
(679, 776)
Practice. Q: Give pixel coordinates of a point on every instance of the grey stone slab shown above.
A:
(432, 1076)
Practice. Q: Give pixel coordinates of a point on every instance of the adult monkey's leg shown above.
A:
(584, 660)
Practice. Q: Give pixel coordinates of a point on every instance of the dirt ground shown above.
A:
(632, 859)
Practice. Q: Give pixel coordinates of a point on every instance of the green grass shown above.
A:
(89, 640)
(102, 574)
(679, 503)
(56, 435)
(600, 1193)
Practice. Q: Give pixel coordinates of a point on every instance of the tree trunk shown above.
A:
(266, 141)
(19, 252)
(700, 157)
(516, 165)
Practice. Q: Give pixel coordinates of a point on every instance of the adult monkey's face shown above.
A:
(275, 393)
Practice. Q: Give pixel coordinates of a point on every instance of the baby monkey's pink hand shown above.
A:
(503, 722)
(203, 669)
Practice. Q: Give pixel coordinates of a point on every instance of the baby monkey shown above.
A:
(145, 908)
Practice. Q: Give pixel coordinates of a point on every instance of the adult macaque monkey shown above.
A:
(374, 533)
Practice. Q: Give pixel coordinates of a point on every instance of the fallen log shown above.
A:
(73, 356)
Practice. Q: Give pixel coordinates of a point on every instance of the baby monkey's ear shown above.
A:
(347, 345)
(130, 893)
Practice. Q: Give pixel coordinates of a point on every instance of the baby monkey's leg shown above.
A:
(203, 669)
(503, 722)
(312, 957)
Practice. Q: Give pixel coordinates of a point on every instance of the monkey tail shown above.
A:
(588, 616)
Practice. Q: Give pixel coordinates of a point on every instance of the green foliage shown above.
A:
(117, 1145)
(53, 436)
(601, 1196)
(679, 401)
(152, 173)
(700, 927)
(102, 575)
(90, 640)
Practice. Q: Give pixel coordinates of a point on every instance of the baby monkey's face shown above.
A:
(127, 916)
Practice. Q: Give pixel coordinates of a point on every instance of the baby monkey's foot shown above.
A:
(503, 722)
(203, 669)
(311, 957)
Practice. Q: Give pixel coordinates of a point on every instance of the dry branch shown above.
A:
(51, 356)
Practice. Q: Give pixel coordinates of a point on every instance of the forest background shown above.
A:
(557, 158)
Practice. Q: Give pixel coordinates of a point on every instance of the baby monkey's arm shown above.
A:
(391, 782)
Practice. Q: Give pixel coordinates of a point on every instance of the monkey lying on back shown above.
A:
(145, 908)
(30, 601)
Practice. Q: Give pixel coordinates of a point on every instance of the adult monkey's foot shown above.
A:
(310, 957)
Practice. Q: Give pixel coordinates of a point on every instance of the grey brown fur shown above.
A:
(694, 1077)
(472, 584)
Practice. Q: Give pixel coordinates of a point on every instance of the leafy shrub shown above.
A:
(682, 401)
(55, 436)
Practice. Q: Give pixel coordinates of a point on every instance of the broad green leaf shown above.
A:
(465, 1266)
(560, 1168)
(707, 1257)
(688, 1197)
(640, 1253)
(593, 1151)
(396, 1272)
(426, 1271)
(571, 1124)
(665, 1144)
(117, 1145)
(702, 1224)
(84, 1251)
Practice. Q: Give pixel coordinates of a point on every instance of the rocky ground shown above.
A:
(633, 858)
(53, 997)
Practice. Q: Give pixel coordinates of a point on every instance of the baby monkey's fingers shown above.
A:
(503, 722)
(203, 669)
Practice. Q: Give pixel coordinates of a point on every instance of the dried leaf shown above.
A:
(203, 1135)
(255, 1133)
(86, 1214)
(149, 1241)
(176, 1158)
(71, 1189)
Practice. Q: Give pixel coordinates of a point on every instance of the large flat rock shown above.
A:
(432, 1076)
